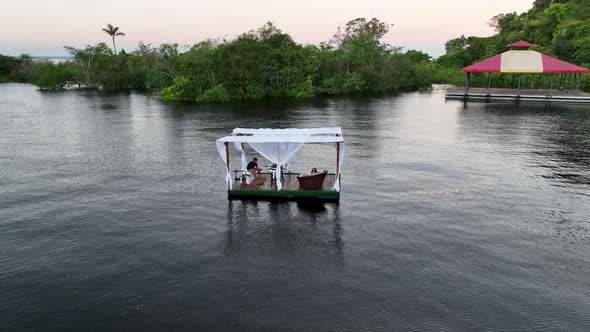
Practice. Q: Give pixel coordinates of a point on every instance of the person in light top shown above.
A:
(314, 171)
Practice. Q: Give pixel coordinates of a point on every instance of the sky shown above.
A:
(43, 27)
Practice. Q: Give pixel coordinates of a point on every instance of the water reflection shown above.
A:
(551, 137)
(568, 149)
(309, 232)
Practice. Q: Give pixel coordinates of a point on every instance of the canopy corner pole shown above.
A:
(337, 159)
(278, 174)
(227, 162)
(243, 156)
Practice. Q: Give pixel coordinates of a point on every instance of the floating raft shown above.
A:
(290, 190)
(279, 146)
(518, 95)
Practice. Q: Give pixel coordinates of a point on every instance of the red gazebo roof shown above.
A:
(523, 61)
(522, 43)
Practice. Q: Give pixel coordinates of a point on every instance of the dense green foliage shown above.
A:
(257, 64)
(268, 63)
(15, 69)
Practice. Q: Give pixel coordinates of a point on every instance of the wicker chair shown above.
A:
(258, 181)
(312, 182)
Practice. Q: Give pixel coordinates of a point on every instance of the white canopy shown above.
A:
(279, 146)
(290, 135)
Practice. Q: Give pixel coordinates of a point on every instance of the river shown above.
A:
(114, 216)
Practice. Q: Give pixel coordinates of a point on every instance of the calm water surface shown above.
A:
(113, 216)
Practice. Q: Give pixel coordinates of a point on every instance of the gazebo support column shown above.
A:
(560, 81)
(467, 80)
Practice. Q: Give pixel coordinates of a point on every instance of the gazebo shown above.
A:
(522, 62)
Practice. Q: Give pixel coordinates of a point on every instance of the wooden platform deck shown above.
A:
(514, 95)
(290, 191)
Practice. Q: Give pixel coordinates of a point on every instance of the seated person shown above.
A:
(314, 171)
(253, 167)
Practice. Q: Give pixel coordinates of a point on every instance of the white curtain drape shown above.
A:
(278, 153)
(340, 158)
(250, 177)
(221, 149)
(240, 149)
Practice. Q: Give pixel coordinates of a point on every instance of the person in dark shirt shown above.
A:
(253, 166)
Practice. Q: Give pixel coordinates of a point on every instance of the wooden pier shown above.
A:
(518, 95)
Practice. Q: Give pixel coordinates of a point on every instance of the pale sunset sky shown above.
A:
(42, 28)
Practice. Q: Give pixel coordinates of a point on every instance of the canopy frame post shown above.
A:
(227, 163)
(278, 169)
(243, 158)
(337, 159)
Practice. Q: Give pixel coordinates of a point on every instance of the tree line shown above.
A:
(257, 64)
(267, 62)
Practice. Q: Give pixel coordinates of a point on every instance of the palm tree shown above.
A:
(113, 32)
